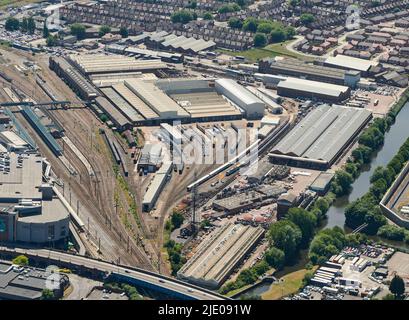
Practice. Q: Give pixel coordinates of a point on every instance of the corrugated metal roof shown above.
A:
(350, 62)
(239, 91)
(323, 133)
(313, 86)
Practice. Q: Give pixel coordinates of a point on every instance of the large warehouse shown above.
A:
(149, 102)
(320, 137)
(73, 78)
(218, 255)
(200, 99)
(252, 106)
(350, 63)
(90, 64)
(295, 88)
(301, 69)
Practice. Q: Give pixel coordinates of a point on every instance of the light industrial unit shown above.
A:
(295, 88)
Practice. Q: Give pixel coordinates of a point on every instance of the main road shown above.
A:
(174, 287)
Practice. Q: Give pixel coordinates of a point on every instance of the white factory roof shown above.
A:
(313, 86)
(98, 63)
(156, 99)
(12, 138)
(350, 62)
(157, 183)
(135, 101)
(240, 92)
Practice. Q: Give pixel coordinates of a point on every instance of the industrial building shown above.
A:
(252, 106)
(30, 211)
(217, 256)
(350, 63)
(313, 90)
(395, 203)
(200, 99)
(26, 283)
(156, 99)
(172, 42)
(144, 53)
(73, 78)
(322, 183)
(90, 64)
(117, 118)
(143, 102)
(317, 140)
(300, 69)
(151, 158)
(156, 186)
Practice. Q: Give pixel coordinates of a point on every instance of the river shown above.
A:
(394, 138)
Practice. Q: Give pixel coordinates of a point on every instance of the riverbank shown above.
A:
(393, 139)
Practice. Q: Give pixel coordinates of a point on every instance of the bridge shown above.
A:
(139, 277)
(360, 228)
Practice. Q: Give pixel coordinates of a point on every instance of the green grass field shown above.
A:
(290, 284)
(271, 50)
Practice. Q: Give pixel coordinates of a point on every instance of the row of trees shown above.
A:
(369, 142)
(174, 249)
(366, 209)
(26, 25)
(267, 31)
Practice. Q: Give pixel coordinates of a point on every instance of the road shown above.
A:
(150, 278)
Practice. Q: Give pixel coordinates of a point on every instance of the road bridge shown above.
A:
(139, 277)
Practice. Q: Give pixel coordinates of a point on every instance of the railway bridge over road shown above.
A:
(139, 277)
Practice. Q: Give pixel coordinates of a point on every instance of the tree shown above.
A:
(306, 19)
(294, 3)
(397, 286)
(235, 23)
(47, 294)
(52, 41)
(182, 16)
(289, 32)
(207, 16)
(260, 40)
(277, 35)
(124, 32)
(103, 30)
(78, 30)
(24, 25)
(265, 27)
(275, 258)
(46, 32)
(177, 219)
(250, 24)
(342, 182)
(326, 243)
(20, 260)
(306, 221)
(31, 25)
(12, 24)
(286, 236)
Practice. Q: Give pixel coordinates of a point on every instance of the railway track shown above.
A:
(115, 233)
